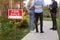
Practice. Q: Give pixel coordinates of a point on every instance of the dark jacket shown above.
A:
(54, 7)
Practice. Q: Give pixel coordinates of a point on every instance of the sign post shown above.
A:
(15, 14)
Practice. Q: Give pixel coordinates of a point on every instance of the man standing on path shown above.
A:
(53, 11)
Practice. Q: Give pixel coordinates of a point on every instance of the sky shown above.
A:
(49, 2)
(46, 2)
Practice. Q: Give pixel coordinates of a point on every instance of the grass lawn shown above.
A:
(58, 24)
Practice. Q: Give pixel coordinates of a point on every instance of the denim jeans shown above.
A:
(31, 20)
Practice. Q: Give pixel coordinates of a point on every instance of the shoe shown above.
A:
(51, 28)
(31, 31)
(42, 32)
(37, 31)
(54, 29)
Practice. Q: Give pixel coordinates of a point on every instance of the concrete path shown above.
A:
(47, 35)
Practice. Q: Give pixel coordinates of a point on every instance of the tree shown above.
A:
(21, 3)
(4, 6)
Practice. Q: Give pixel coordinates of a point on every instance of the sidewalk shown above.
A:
(47, 35)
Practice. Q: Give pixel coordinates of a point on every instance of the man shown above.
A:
(53, 11)
(31, 13)
(38, 5)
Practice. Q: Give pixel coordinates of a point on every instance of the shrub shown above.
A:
(9, 26)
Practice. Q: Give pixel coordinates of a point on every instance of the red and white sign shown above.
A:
(15, 13)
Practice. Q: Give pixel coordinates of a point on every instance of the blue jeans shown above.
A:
(31, 20)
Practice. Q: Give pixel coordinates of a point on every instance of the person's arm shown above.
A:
(38, 6)
(51, 7)
(42, 3)
(27, 8)
(28, 5)
(32, 4)
(55, 5)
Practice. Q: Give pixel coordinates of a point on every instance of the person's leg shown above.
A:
(31, 22)
(41, 22)
(54, 21)
(36, 21)
(53, 16)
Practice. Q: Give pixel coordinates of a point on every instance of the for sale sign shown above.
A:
(15, 13)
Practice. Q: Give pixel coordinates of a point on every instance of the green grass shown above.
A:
(58, 27)
(46, 19)
(58, 24)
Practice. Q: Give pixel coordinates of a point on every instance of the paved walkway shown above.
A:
(47, 35)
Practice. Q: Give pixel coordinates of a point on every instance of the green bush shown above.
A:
(11, 29)
(46, 12)
(23, 23)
